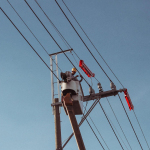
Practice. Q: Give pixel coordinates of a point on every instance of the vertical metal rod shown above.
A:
(57, 81)
(52, 84)
(58, 143)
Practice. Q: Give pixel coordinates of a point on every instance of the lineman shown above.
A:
(73, 72)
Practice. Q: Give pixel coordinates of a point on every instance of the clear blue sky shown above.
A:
(119, 29)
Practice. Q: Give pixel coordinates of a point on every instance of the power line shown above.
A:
(31, 31)
(117, 132)
(94, 133)
(28, 42)
(130, 122)
(110, 124)
(141, 130)
(91, 42)
(119, 124)
(98, 130)
(83, 41)
(52, 37)
(62, 37)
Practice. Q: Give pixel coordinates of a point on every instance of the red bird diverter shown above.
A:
(87, 71)
(128, 99)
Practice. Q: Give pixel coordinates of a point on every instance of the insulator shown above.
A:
(128, 99)
(112, 85)
(100, 87)
(87, 71)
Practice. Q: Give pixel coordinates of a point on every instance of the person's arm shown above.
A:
(81, 78)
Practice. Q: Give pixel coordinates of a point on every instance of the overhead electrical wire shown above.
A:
(52, 37)
(110, 124)
(56, 29)
(97, 130)
(117, 132)
(141, 129)
(130, 122)
(28, 42)
(82, 40)
(119, 123)
(94, 133)
(30, 30)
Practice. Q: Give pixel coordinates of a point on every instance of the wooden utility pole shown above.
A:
(58, 143)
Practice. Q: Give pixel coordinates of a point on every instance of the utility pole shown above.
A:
(72, 101)
(72, 118)
(58, 144)
(56, 108)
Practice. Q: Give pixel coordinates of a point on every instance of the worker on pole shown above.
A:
(73, 72)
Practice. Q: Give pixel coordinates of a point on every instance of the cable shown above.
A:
(28, 42)
(62, 37)
(83, 41)
(95, 134)
(110, 124)
(141, 129)
(92, 43)
(52, 37)
(30, 30)
(119, 124)
(118, 133)
(98, 130)
(130, 122)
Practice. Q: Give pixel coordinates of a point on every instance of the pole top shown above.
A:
(68, 50)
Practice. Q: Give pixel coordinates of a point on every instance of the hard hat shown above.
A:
(74, 69)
